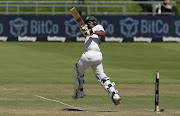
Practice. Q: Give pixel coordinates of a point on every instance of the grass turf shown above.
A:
(130, 7)
(46, 69)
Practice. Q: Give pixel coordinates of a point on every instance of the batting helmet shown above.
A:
(91, 18)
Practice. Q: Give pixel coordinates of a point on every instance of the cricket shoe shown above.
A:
(116, 99)
(79, 94)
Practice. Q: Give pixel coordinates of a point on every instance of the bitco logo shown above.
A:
(20, 27)
(129, 27)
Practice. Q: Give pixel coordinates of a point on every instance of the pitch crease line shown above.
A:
(58, 102)
(3, 88)
(62, 103)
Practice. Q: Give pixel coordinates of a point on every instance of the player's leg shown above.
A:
(78, 83)
(79, 70)
(106, 83)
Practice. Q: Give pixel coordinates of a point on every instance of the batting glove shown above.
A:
(84, 29)
(86, 32)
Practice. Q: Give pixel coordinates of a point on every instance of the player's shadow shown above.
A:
(73, 110)
(85, 110)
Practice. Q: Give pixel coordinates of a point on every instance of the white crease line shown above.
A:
(149, 110)
(58, 102)
(99, 114)
(63, 103)
(3, 88)
(160, 113)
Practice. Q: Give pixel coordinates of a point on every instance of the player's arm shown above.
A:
(87, 32)
(100, 33)
(99, 30)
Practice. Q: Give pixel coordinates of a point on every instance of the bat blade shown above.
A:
(77, 17)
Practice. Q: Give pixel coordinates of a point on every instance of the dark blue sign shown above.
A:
(141, 26)
(115, 26)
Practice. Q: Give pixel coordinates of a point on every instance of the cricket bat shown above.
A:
(77, 17)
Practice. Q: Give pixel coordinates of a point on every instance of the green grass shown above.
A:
(130, 7)
(46, 69)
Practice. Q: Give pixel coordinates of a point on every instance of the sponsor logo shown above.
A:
(1, 28)
(25, 38)
(142, 39)
(55, 38)
(80, 39)
(129, 27)
(171, 39)
(109, 28)
(43, 27)
(18, 27)
(177, 27)
(4, 39)
(72, 28)
(154, 27)
(113, 39)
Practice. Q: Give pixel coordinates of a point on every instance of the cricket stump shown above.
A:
(157, 92)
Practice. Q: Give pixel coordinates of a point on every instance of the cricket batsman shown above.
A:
(92, 57)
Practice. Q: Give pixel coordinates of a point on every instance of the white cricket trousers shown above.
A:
(91, 59)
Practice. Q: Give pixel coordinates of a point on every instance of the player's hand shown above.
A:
(83, 30)
(87, 32)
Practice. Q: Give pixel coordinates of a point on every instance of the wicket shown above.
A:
(157, 110)
(157, 92)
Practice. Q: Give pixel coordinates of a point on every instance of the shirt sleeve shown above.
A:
(98, 28)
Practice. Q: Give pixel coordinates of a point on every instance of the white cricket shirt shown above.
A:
(92, 42)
